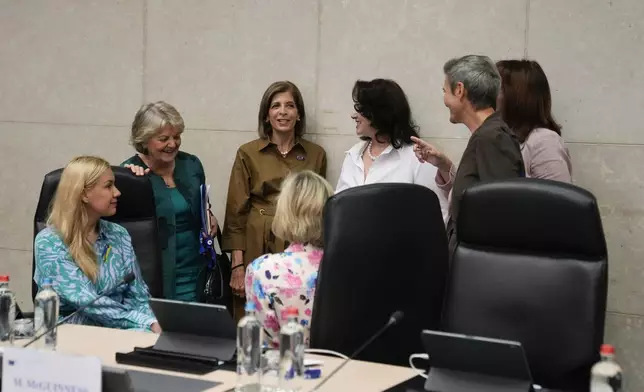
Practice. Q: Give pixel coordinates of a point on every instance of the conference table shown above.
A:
(104, 343)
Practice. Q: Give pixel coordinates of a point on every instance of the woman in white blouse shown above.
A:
(385, 153)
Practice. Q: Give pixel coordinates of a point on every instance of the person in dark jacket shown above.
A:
(176, 177)
(493, 152)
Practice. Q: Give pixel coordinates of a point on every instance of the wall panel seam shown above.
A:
(144, 52)
(526, 35)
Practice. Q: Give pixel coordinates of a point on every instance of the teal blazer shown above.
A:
(188, 177)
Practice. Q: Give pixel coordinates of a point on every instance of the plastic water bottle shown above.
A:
(606, 375)
(292, 348)
(46, 315)
(249, 351)
(7, 310)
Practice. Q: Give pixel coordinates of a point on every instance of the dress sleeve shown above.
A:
(237, 205)
(446, 184)
(200, 171)
(256, 292)
(425, 175)
(323, 164)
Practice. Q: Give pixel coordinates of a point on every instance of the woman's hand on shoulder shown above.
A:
(137, 170)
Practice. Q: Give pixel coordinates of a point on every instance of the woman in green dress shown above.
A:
(176, 177)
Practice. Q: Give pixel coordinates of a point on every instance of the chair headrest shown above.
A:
(394, 203)
(384, 214)
(133, 204)
(532, 215)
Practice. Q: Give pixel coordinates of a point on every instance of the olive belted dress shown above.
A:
(255, 182)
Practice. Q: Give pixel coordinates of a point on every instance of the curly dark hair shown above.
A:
(384, 103)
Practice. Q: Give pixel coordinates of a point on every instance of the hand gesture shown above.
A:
(425, 152)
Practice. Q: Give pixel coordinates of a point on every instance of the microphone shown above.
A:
(393, 320)
(127, 279)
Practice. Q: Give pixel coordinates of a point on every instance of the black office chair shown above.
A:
(531, 265)
(136, 212)
(385, 250)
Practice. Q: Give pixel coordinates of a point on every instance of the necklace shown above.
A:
(283, 153)
(373, 158)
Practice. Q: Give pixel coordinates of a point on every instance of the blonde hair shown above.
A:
(298, 216)
(151, 118)
(68, 214)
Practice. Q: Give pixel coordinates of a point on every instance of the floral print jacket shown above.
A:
(278, 281)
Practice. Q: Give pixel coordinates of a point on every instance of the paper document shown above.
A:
(27, 369)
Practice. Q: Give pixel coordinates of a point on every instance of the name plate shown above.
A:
(25, 369)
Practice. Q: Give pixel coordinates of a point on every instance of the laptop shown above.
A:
(463, 363)
(194, 328)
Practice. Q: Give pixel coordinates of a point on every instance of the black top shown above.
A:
(492, 153)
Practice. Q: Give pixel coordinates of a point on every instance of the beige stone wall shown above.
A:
(74, 72)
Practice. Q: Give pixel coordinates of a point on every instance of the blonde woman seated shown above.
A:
(278, 281)
(85, 255)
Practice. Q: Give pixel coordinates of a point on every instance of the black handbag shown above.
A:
(214, 279)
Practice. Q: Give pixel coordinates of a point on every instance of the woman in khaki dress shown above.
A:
(257, 174)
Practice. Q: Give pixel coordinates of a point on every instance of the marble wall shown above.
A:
(74, 72)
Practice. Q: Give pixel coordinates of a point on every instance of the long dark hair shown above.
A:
(526, 102)
(384, 103)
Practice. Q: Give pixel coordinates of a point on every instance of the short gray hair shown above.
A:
(479, 76)
(149, 119)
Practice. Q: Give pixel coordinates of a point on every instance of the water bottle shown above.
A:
(291, 367)
(46, 315)
(249, 351)
(7, 310)
(606, 375)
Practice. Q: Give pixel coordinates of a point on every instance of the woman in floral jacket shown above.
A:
(275, 282)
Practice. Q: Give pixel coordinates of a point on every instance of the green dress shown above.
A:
(188, 260)
(179, 222)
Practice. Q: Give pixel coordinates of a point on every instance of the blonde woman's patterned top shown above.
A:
(127, 308)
